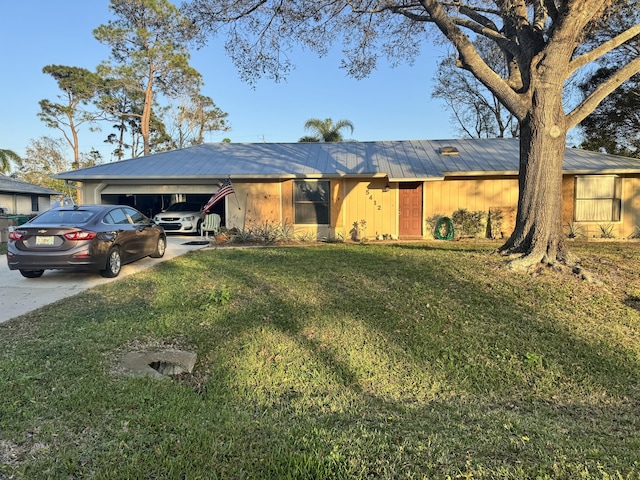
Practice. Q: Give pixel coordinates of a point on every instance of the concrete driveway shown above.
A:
(19, 295)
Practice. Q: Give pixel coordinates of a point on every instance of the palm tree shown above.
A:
(325, 130)
(5, 157)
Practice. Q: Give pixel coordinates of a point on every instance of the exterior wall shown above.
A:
(367, 200)
(445, 197)
(629, 215)
(7, 202)
(630, 205)
(21, 204)
(254, 204)
(475, 194)
(354, 200)
(568, 199)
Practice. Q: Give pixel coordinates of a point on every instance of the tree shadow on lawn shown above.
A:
(470, 331)
(474, 336)
(450, 368)
(488, 381)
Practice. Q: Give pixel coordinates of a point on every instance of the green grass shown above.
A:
(425, 360)
(3, 248)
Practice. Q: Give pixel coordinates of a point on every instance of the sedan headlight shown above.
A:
(189, 218)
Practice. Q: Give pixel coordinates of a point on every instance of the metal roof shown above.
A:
(12, 185)
(405, 160)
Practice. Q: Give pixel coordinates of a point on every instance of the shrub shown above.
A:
(468, 224)
(338, 238)
(266, 233)
(494, 223)
(575, 231)
(636, 232)
(606, 231)
(432, 222)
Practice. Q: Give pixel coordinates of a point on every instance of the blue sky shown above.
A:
(392, 104)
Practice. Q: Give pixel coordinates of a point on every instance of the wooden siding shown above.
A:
(335, 209)
(445, 197)
(630, 205)
(568, 198)
(287, 202)
(254, 204)
(367, 200)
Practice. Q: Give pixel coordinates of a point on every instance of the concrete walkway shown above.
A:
(19, 295)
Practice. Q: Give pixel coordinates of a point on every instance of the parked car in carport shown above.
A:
(87, 238)
(181, 217)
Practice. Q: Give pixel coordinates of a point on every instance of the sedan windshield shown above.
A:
(72, 217)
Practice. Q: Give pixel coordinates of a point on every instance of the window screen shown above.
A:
(311, 202)
(598, 198)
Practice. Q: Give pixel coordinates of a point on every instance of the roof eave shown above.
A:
(273, 176)
(481, 173)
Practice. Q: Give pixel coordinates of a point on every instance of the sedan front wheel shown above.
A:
(161, 247)
(114, 264)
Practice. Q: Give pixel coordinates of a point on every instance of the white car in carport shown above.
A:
(181, 217)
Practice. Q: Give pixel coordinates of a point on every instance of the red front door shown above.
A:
(410, 210)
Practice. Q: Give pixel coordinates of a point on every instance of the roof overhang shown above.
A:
(482, 173)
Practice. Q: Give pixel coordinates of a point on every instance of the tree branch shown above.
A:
(471, 61)
(601, 92)
(606, 47)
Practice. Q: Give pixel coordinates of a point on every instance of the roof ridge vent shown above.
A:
(449, 151)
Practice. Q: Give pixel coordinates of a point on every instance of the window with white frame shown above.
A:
(311, 202)
(598, 198)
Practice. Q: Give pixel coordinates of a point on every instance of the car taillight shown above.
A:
(80, 235)
(16, 235)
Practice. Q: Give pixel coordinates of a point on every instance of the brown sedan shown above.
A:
(88, 237)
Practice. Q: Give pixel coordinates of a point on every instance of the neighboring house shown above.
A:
(394, 186)
(22, 198)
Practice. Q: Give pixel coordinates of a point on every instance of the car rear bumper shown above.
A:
(81, 258)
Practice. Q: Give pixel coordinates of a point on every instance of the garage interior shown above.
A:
(152, 204)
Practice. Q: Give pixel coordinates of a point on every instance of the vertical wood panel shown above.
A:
(336, 207)
(568, 198)
(287, 201)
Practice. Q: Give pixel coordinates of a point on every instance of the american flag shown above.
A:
(225, 189)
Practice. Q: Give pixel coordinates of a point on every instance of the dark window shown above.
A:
(34, 204)
(311, 202)
(63, 216)
(136, 216)
(116, 217)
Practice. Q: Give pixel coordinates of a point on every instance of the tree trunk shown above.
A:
(538, 235)
(145, 121)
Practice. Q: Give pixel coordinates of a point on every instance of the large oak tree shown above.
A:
(542, 40)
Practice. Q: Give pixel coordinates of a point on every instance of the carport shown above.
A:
(151, 199)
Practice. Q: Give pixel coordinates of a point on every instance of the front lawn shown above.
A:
(422, 360)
